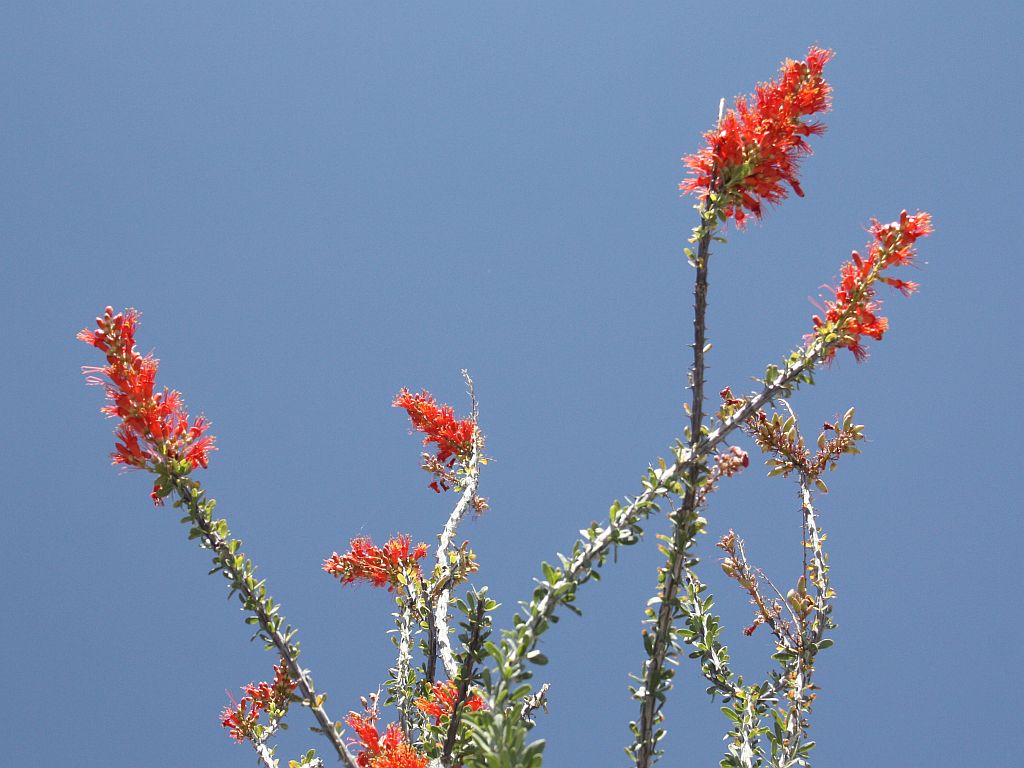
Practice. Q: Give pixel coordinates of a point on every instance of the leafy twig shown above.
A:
(238, 570)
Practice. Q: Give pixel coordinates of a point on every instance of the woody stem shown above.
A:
(673, 573)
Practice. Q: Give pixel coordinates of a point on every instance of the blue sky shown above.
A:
(316, 205)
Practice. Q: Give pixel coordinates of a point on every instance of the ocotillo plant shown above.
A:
(470, 702)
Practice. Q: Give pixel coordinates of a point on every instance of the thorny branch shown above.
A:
(403, 618)
(682, 519)
(800, 671)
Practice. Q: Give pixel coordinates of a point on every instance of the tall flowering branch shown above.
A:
(458, 441)
(756, 147)
(751, 152)
(156, 435)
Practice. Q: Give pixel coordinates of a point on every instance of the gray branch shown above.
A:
(447, 536)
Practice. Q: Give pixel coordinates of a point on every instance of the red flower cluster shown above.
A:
(852, 314)
(442, 700)
(453, 437)
(155, 426)
(389, 750)
(377, 565)
(757, 146)
(242, 719)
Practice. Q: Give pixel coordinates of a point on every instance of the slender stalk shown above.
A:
(255, 603)
(653, 694)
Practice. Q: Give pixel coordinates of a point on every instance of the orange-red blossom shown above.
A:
(378, 565)
(442, 700)
(853, 312)
(756, 148)
(155, 426)
(377, 750)
(453, 437)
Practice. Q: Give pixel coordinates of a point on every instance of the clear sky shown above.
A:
(316, 204)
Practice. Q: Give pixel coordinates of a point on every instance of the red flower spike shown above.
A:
(757, 146)
(852, 314)
(442, 700)
(377, 565)
(367, 736)
(453, 437)
(376, 751)
(155, 426)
